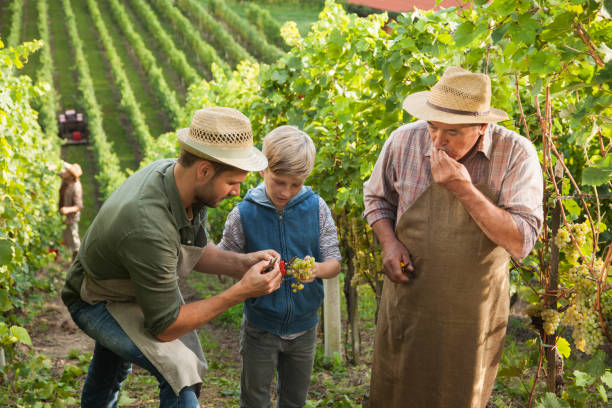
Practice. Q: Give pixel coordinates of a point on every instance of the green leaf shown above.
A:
(511, 371)
(500, 32)
(563, 347)
(464, 34)
(593, 176)
(5, 301)
(550, 400)
(597, 365)
(583, 379)
(6, 251)
(21, 334)
(503, 7)
(606, 378)
(604, 75)
(602, 392)
(572, 207)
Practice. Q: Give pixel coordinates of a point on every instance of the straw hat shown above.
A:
(223, 135)
(73, 169)
(460, 96)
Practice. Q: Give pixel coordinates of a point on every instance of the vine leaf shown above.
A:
(595, 176)
(563, 347)
(6, 251)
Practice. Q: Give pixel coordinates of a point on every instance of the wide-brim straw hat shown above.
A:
(75, 170)
(460, 96)
(223, 135)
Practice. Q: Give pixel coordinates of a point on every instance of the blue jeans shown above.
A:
(112, 360)
(262, 354)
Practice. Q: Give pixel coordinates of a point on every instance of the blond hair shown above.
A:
(289, 151)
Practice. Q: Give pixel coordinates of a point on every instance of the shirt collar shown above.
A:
(176, 204)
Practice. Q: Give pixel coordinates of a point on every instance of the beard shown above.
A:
(206, 195)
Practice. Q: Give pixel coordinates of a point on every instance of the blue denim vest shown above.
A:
(292, 232)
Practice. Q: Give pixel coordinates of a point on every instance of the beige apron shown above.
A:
(181, 361)
(439, 338)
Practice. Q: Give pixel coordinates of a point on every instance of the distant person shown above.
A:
(279, 330)
(450, 198)
(122, 289)
(71, 204)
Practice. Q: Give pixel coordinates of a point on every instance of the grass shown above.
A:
(115, 123)
(181, 43)
(5, 21)
(304, 16)
(29, 32)
(157, 120)
(65, 83)
(172, 77)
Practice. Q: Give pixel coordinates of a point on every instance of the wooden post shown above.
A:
(331, 317)
(553, 357)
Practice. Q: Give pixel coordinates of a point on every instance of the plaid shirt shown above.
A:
(402, 172)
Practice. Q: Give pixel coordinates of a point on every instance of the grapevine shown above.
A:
(581, 279)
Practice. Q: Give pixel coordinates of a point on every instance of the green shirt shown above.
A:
(137, 235)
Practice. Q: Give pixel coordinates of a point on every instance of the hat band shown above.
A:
(457, 111)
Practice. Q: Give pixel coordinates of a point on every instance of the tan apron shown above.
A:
(181, 362)
(439, 338)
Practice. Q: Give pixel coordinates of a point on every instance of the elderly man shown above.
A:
(450, 197)
(122, 289)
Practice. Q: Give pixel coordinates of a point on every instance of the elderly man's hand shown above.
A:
(395, 255)
(447, 171)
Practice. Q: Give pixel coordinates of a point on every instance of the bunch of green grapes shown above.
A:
(544, 319)
(551, 318)
(584, 320)
(301, 270)
(581, 233)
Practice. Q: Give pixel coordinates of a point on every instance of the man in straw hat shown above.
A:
(122, 290)
(71, 204)
(451, 195)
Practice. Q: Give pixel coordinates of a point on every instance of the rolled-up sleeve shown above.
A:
(151, 263)
(379, 195)
(522, 192)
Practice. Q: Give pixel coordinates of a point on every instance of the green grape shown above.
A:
(301, 270)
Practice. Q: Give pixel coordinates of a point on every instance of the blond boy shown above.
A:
(279, 330)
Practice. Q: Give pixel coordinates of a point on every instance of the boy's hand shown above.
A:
(313, 271)
(255, 283)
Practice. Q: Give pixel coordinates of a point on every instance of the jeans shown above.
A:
(263, 353)
(112, 360)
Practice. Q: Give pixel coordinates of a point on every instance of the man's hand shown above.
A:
(394, 255)
(252, 258)
(447, 171)
(255, 283)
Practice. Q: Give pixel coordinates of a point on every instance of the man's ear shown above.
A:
(205, 170)
(483, 128)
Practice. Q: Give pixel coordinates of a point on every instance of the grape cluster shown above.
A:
(551, 319)
(301, 270)
(544, 319)
(581, 233)
(581, 276)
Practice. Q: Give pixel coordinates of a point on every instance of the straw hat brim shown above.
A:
(250, 159)
(416, 105)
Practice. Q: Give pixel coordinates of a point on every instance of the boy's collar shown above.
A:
(258, 195)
